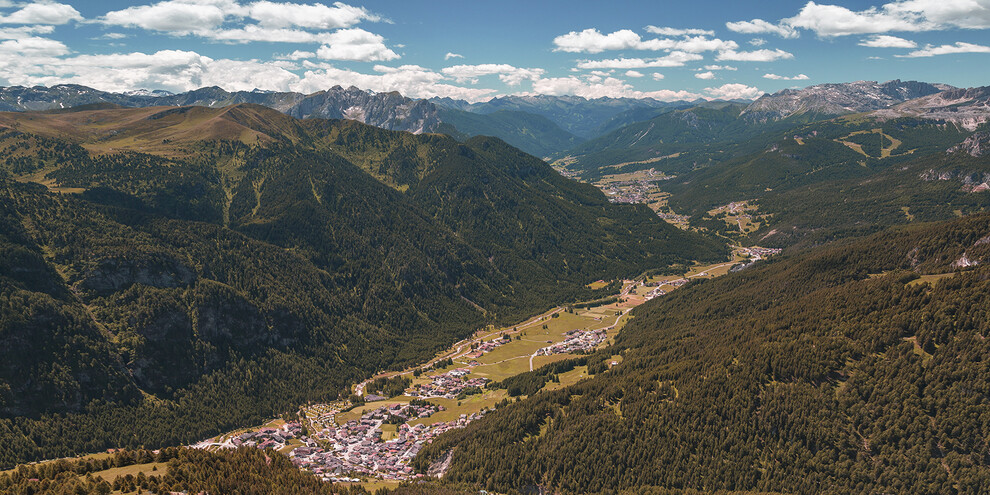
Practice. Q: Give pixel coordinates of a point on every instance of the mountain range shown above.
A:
(171, 272)
(174, 266)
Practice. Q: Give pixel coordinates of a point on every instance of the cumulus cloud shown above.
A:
(720, 67)
(296, 55)
(312, 16)
(32, 47)
(759, 26)
(506, 73)
(19, 32)
(799, 77)
(593, 41)
(959, 47)
(757, 42)
(673, 59)
(175, 70)
(275, 22)
(451, 55)
(51, 13)
(254, 32)
(903, 15)
(705, 75)
(410, 80)
(885, 41)
(37, 61)
(173, 16)
(734, 91)
(355, 44)
(608, 87)
(657, 76)
(198, 16)
(634, 73)
(669, 31)
(835, 20)
(701, 44)
(763, 55)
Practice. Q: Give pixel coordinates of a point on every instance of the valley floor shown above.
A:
(357, 444)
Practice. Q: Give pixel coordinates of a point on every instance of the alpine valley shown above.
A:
(349, 291)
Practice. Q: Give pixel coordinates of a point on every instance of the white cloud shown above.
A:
(173, 16)
(410, 80)
(43, 13)
(705, 75)
(174, 70)
(608, 87)
(720, 67)
(254, 32)
(296, 55)
(355, 44)
(593, 41)
(43, 62)
(113, 36)
(32, 47)
(506, 73)
(634, 73)
(799, 77)
(834, 20)
(13, 33)
(757, 42)
(734, 91)
(199, 16)
(657, 76)
(701, 44)
(451, 55)
(669, 31)
(885, 41)
(763, 55)
(674, 59)
(757, 26)
(959, 47)
(904, 15)
(312, 16)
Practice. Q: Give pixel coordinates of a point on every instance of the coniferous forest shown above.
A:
(166, 296)
(857, 367)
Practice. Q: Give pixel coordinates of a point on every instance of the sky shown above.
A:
(478, 49)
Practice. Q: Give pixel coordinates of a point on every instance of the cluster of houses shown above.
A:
(358, 447)
(448, 385)
(486, 347)
(761, 252)
(576, 340)
(268, 438)
(634, 191)
(673, 217)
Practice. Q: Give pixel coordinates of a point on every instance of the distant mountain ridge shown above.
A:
(838, 99)
(390, 111)
(577, 115)
(966, 107)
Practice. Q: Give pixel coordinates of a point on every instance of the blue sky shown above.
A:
(475, 50)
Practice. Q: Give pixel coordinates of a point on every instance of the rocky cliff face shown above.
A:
(976, 145)
(838, 99)
(386, 110)
(966, 107)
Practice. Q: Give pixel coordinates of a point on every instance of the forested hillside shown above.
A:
(188, 270)
(849, 176)
(857, 367)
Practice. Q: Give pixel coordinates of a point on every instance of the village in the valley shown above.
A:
(374, 437)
